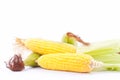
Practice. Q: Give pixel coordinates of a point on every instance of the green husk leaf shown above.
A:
(107, 51)
(69, 40)
(108, 67)
(30, 60)
(113, 44)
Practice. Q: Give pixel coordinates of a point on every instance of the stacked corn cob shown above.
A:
(57, 56)
(63, 56)
(67, 62)
(46, 47)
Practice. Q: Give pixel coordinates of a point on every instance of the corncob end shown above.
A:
(19, 41)
(96, 65)
(19, 45)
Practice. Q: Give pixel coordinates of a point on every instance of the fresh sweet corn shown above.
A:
(45, 47)
(66, 62)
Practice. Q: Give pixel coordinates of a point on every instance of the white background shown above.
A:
(92, 20)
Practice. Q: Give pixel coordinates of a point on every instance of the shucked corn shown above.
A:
(66, 62)
(46, 47)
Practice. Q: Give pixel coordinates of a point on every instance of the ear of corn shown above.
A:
(46, 47)
(66, 62)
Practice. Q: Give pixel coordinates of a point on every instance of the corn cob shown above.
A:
(46, 47)
(66, 62)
